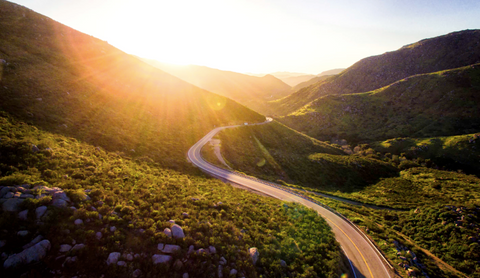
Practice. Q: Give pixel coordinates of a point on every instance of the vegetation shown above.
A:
(277, 153)
(66, 82)
(436, 104)
(404, 182)
(461, 152)
(450, 51)
(442, 233)
(139, 197)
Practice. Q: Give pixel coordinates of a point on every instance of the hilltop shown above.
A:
(67, 82)
(435, 104)
(252, 91)
(450, 51)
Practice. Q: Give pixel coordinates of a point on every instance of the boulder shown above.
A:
(3, 243)
(98, 235)
(191, 249)
(5, 190)
(27, 256)
(160, 246)
(136, 273)
(184, 214)
(254, 254)
(23, 214)
(170, 248)
(177, 265)
(113, 229)
(34, 147)
(220, 271)
(78, 222)
(161, 259)
(185, 275)
(171, 221)
(12, 205)
(121, 263)
(40, 211)
(27, 196)
(33, 242)
(222, 261)
(177, 231)
(113, 258)
(212, 250)
(65, 248)
(233, 272)
(78, 246)
(9, 195)
(22, 233)
(129, 257)
(283, 263)
(69, 261)
(168, 232)
(59, 203)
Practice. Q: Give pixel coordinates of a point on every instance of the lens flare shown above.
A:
(216, 102)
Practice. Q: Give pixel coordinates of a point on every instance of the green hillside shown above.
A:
(450, 51)
(437, 104)
(435, 211)
(252, 91)
(277, 153)
(137, 199)
(461, 152)
(67, 82)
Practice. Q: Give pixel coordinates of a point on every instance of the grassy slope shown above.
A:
(67, 82)
(278, 153)
(146, 196)
(461, 152)
(251, 91)
(436, 104)
(430, 55)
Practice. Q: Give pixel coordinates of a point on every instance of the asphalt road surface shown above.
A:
(363, 257)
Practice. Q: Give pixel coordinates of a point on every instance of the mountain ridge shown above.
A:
(251, 91)
(449, 51)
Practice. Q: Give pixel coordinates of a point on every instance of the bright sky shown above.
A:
(262, 36)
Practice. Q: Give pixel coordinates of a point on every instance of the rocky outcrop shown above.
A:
(113, 258)
(254, 254)
(161, 259)
(177, 231)
(27, 256)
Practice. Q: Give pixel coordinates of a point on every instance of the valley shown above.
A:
(112, 165)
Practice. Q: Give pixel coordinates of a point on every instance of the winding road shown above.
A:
(363, 256)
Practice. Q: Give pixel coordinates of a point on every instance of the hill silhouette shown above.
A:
(67, 82)
(318, 78)
(251, 91)
(449, 51)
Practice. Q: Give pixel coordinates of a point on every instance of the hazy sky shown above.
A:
(261, 36)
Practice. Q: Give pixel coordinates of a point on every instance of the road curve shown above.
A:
(363, 257)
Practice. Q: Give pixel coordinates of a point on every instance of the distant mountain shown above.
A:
(443, 103)
(295, 80)
(430, 55)
(251, 91)
(67, 82)
(318, 78)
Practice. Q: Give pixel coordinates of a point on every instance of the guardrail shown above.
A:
(278, 186)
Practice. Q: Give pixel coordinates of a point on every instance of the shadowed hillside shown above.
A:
(251, 91)
(68, 82)
(437, 104)
(430, 55)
